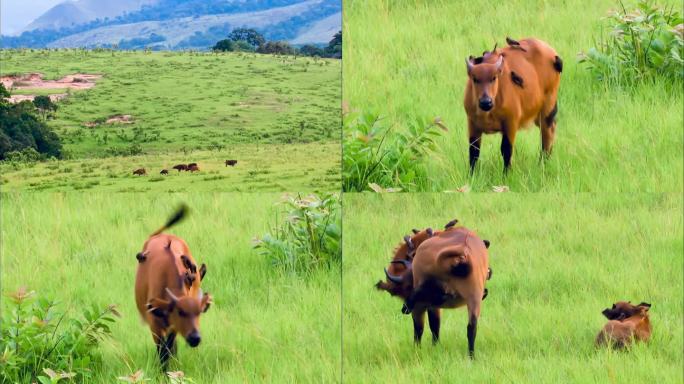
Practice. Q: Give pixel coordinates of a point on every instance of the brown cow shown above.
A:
(164, 172)
(193, 167)
(140, 172)
(417, 262)
(508, 89)
(167, 290)
(180, 167)
(626, 323)
(232, 163)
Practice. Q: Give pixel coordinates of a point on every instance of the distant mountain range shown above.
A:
(177, 24)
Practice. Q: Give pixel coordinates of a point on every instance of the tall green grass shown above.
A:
(262, 327)
(405, 60)
(558, 260)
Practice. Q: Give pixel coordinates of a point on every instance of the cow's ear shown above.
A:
(160, 307)
(499, 64)
(203, 271)
(188, 264)
(644, 305)
(469, 64)
(206, 302)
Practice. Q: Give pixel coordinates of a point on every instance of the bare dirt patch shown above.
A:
(115, 119)
(76, 81)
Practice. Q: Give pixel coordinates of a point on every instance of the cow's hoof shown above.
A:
(405, 309)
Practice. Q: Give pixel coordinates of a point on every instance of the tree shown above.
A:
(4, 93)
(334, 48)
(310, 50)
(224, 46)
(44, 105)
(251, 36)
(276, 47)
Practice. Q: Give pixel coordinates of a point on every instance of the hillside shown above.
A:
(177, 24)
(184, 107)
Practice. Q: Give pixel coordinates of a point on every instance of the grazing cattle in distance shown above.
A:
(231, 163)
(626, 323)
(167, 290)
(164, 172)
(140, 172)
(439, 269)
(509, 89)
(180, 167)
(193, 167)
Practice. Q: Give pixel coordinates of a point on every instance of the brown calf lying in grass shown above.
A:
(626, 323)
(167, 290)
(507, 90)
(439, 269)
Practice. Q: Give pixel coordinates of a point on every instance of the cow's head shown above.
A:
(181, 313)
(399, 279)
(624, 309)
(484, 80)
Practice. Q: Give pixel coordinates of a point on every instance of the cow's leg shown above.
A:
(473, 315)
(434, 318)
(474, 141)
(171, 344)
(430, 293)
(548, 130)
(418, 324)
(162, 348)
(507, 142)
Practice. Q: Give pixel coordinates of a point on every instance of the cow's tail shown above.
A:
(173, 220)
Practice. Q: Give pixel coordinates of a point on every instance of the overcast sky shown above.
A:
(16, 14)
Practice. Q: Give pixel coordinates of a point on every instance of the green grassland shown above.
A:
(406, 60)
(558, 260)
(189, 101)
(264, 326)
(275, 167)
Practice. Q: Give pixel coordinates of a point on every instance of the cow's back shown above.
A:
(161, 268)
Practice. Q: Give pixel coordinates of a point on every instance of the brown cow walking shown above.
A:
(140, 172)
(180, 167)
(164, 172)
(232, 163)
(167, 290)
(508, 89)
(193, 167)
(439, 269)
(627, 323)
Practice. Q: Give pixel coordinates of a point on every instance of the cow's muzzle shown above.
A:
(193, 339)
(486, 103)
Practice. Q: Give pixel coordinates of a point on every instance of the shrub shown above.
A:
(35, 337)
(642, 44)
(374, 154)
(306, 234)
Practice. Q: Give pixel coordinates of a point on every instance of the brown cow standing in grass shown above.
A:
(627, 323)
(232, 163)
(180, 167)
(439, 269)
(140, 172)
(167, 290)
(193, 167)
(508, 89)
(164, 172)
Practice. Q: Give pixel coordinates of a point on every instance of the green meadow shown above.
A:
(275, 167)
(405, 60)
(558, 260)
(185, 102)
(264, 325)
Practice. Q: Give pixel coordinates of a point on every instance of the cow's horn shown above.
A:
(171, 295)
(429, 232)
(392, 278)
(405, 263)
